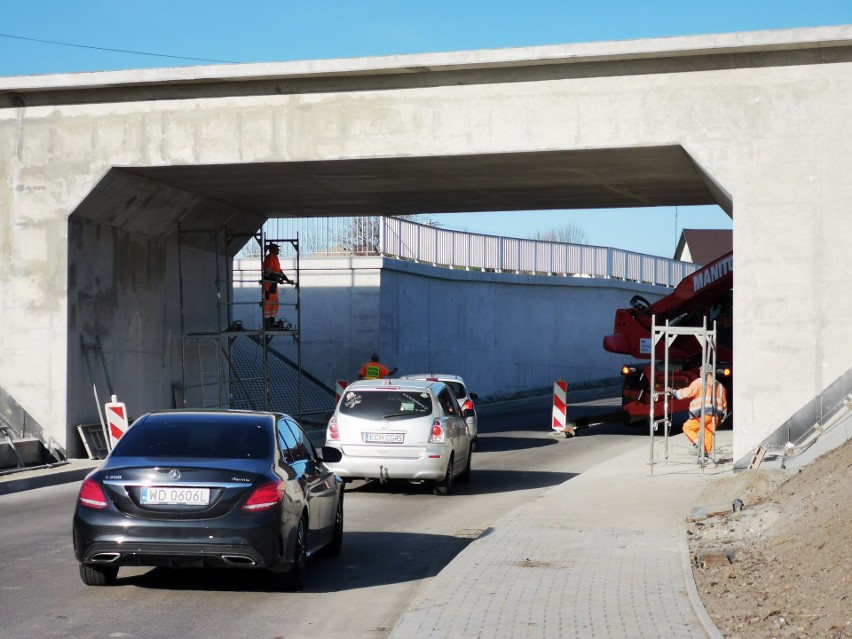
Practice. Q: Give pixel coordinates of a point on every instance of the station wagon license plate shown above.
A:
(172, 495)
(384, 438)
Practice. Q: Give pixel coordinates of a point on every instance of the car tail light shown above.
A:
(332, 433)
(437, 433)
(265, 496)
(92, 495)
(468, 405)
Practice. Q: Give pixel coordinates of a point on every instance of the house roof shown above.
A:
(702, 246)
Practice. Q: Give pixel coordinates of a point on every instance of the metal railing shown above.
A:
(424, 243)
(322, 236)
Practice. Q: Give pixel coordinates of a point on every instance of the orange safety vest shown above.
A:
(271, 264)
(707, 400)
(374, 370)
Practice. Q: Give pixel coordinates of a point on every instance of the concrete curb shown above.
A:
(41, 477)
(579, 395)
(692, 589)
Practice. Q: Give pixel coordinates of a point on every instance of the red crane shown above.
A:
(706, 293)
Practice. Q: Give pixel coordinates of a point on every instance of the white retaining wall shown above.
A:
(503, 333)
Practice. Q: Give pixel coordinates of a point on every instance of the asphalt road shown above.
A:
(396, 537)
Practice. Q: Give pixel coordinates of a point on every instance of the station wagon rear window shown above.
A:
(386, 404)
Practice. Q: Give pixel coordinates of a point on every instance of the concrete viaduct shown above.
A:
(110, 181)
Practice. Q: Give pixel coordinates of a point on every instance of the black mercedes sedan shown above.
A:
(210, 488)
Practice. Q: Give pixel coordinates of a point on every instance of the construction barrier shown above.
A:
(116, 414)
(341, 385)
(560, 405)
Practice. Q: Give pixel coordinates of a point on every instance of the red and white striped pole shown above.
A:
(116, 413)
(560, 408)
(341, 385)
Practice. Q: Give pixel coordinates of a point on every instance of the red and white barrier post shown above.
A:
(341, 386)
(116, 414)
(560, 408)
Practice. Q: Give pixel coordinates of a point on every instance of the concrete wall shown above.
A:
(503, 333)
(130, 302)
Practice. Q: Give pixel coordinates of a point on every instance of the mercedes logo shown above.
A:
(175, 474)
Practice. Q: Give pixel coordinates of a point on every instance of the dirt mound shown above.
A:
(781, 566)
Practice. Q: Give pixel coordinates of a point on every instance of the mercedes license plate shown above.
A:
(174, 495)
(384, 438)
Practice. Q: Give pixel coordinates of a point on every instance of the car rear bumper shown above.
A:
(425, 468)
(472, 426)
(186, 555)
(112, 539)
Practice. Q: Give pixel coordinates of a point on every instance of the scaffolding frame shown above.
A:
(211, 352)
(706, 337)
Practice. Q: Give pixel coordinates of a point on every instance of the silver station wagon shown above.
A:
(401, 429)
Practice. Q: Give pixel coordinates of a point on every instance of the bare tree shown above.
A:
(362, 235)
(568, 234)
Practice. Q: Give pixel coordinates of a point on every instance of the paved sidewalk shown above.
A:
(603, 555)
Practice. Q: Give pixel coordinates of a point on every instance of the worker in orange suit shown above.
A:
(272, 277)
(713, 396)
(374, 369)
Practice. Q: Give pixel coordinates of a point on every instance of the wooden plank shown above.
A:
(758, 457)
(708, 559)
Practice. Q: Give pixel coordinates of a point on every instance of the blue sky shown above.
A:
(240, 31)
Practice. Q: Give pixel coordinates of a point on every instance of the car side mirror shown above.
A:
(330, 454)
(288, 470)
(468, 413)
(474, 396)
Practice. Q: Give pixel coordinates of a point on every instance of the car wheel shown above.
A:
(445, 486)
(294, 579)
(465, 474)
(336, 545)
(98, 575)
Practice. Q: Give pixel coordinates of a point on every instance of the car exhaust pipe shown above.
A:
(383, 475)
(106, 557)
(238, 560)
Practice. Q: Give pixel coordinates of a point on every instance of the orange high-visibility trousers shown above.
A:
(270, 300)
(691, 426)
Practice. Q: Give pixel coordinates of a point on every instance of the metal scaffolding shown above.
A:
(209, 374)
(667, 334)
